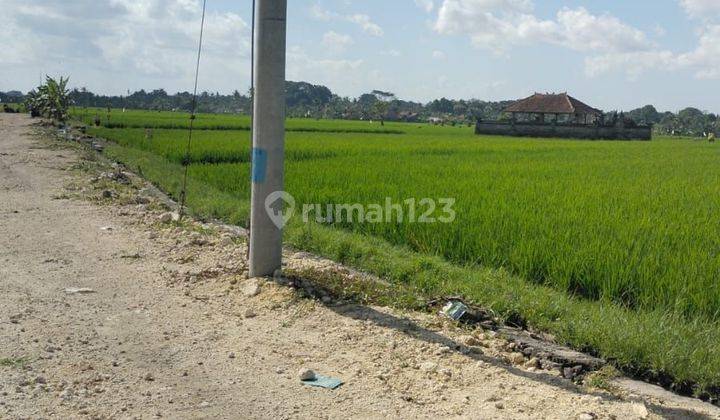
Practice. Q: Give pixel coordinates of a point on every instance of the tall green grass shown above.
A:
(627, 231)
(632, 223)
(117, 118)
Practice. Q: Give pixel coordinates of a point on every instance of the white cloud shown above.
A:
(366, 24)
(347, 76)
(438, 55)
(610, 45)
(426, 5)
(321, 14)
(582, 31)
(633, 64)
(120, 43)
(336, 42)
(705, 59)
(701, 8)
(500, 24)
(363, 21)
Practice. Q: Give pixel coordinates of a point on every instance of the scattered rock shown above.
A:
(499, 405)
(149, 377)
(533, 363)
(586, 416)
(231, 355)
(197, 238)
(306, 374)
(549, 365)
(429, 367)
(516, 358)
(251, 288)
(169, 217)
(40, 380)
(442, 350)
(446, 374)
(67, 394)
(279, 370)
(470, 341)
(640, 410)
(249, 313)
(571, 372)
(107, 194)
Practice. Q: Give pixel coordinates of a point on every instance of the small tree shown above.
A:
(381, 108)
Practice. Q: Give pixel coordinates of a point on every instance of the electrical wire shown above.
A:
(193, 108)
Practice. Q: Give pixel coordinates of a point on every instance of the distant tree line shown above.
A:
(306, 100)
(688, 122)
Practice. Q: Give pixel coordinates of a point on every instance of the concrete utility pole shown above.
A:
(268, 153)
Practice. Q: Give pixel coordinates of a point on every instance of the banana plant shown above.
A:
(50, 100)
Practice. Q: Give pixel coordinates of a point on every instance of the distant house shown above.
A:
(408, 116)
(562, 107)
(561, 115)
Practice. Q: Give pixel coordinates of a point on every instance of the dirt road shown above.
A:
(171, 328)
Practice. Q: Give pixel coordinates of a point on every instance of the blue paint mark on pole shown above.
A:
(259, 165)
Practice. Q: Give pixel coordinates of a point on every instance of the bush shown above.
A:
(50, 100)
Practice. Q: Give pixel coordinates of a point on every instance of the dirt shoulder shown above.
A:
(173, 328)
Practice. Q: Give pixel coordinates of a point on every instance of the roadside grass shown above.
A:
(657, 344)
(603, 379)
(13, 362)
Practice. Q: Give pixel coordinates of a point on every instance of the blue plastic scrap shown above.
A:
(324, 382)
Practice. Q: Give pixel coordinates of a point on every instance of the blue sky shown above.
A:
(612, 54)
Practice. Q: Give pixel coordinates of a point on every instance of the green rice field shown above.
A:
(612, 246)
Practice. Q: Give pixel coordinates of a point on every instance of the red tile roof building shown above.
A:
(539, 105)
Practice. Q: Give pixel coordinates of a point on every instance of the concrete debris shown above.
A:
(306, 374)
